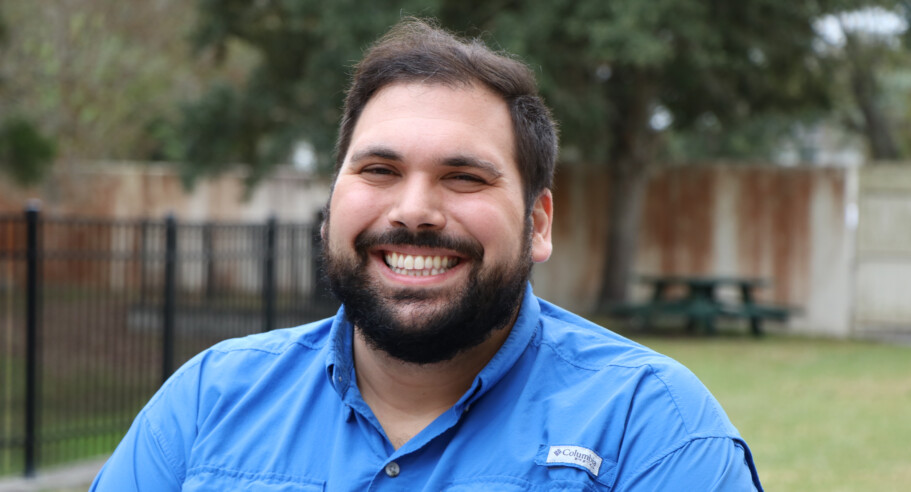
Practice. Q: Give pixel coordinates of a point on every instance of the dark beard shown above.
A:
(487, 303)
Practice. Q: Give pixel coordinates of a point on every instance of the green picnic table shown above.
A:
(700, 303)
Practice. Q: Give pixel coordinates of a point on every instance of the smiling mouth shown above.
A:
(419, 266)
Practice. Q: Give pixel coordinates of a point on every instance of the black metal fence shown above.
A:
(94, 314)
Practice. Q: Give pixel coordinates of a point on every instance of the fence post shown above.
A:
(294, 257)
(32, 308)
(170, 298)
(208, 259)
(143, 259)
(269, 277)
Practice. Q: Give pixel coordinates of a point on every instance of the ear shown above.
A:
(542, 215)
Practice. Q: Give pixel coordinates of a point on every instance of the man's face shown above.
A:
(427, 242)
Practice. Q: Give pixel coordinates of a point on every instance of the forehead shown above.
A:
(421, 118)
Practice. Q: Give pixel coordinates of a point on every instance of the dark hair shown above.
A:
(415, 50)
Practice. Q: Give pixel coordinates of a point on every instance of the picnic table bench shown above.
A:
(700, 304)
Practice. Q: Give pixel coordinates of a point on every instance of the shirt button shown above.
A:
(392, 469)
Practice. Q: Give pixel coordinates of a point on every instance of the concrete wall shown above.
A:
(572, 276)
(132, 190)
(883, 267)
(783, 224)
(793, 226)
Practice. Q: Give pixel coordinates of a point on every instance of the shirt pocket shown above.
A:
(211, 479)
(512, 484)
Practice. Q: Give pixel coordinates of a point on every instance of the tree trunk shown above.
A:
(634, 94)
(627, 193)
(865, 88)
(632, 91)
(876, 127)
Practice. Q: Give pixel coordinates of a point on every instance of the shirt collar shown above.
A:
(339, 362)
(503, 361)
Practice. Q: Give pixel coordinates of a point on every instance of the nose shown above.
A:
(417, 206)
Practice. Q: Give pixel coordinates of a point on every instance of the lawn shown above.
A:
(819, 415)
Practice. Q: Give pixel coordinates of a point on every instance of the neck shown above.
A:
(406, 397)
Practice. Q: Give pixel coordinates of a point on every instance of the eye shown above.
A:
(378, 170)
(378, 173)
(471, 178)
(465, 182)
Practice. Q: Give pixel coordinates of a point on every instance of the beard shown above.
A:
(393, 321)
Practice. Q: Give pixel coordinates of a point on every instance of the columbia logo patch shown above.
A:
(575, 455)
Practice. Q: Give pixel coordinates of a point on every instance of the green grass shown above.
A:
(84, 413)
(819, 415)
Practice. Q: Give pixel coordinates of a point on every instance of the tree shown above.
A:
(648, 68)
(625, 74)
(294, 92)
(99, 74)
(619, 74)
(867, 55)
(867, 47)
(25, 154)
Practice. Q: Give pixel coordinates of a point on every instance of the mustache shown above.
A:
(467, 247)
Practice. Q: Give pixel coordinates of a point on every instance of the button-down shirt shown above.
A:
(563, 405)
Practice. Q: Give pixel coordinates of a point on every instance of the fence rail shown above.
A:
(95, 314)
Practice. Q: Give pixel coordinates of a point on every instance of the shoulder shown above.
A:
(649, 411)
(311, 336)
(587, 345)
(216, 396)
(229, 372)
(654, 384)
(239, 361)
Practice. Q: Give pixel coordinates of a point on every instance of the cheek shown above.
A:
(494, 224)
(350, 212)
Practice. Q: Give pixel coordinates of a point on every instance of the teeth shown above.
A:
(419, 266)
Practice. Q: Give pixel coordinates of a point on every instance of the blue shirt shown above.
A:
(563, 405)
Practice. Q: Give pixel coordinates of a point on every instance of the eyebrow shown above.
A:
(376, 152)
(386, 153)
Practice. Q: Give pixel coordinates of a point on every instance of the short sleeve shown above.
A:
(138, 464)
(709, 464)
(152, 457)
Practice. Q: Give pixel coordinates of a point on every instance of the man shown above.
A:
(442, 370)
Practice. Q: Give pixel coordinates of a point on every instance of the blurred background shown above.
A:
(163, 164)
